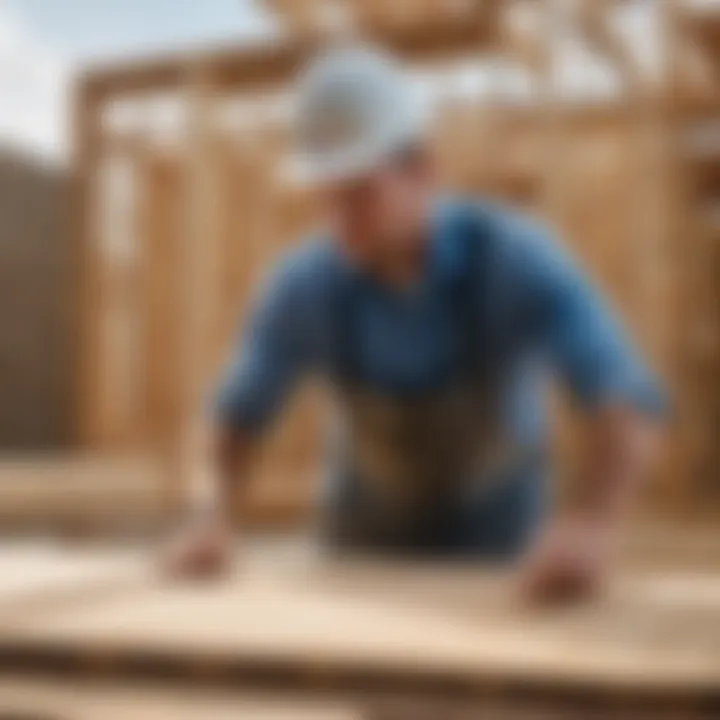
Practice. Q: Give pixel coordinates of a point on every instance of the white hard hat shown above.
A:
(355, 106)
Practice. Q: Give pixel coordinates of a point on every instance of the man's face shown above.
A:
(379, 212)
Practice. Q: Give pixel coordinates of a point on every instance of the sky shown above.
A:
(43, 42)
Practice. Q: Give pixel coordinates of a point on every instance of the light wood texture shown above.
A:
(41, 574)
(161, 291)
(595, 24)
(86, 137)
(695, 188)
(655, 632)
(702, 20)
(80, 491)
(103, 495)
(36, 699)
(524, 37)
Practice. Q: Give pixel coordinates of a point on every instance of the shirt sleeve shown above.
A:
(578, 331)
(268, 358)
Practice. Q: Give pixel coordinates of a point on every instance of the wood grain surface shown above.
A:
(25, 697)
(288, 611)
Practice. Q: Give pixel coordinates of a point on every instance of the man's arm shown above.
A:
(572, 557)
(219, 449)
(618, 446)
(218, 460)
(622, 404)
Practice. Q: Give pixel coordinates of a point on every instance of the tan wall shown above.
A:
(36, 355)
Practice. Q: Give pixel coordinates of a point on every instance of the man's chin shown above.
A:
(364, 248)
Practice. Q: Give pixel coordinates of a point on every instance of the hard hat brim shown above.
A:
(306, 170)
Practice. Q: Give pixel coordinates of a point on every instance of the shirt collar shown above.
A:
(444, 262)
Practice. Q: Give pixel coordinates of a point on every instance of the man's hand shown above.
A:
(202, 549)
(569, 564)
(203, 546)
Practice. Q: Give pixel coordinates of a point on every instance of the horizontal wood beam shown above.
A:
(528, 44)
(595, 26)
(693, 82)
(702, 25)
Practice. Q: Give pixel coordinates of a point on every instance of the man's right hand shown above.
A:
(201, 549)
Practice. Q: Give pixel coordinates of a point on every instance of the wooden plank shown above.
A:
(86, 150)
(199, 221)
(46, 699)
(702, 22)
(27, 697)
(291, 617)
(594, 20)
(524, 37)
(160, 232)
(118, 312)
(103, 495)
(300, 17)
(37, 576)
(694, 181)
(197, 269)
(376, 18)
(82, 492)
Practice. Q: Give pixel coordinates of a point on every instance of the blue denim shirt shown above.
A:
(560, 324)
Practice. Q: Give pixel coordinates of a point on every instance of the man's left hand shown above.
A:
(569, 563)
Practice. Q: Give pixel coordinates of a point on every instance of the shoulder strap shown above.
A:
(469, 301)
(470, 295)
(343, 331)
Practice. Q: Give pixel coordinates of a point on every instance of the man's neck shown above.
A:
(399, 262)
(404, 264)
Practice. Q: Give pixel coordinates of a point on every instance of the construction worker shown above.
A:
(436, 322)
